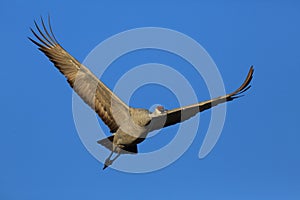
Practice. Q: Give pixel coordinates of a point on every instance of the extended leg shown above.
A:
(108, 161)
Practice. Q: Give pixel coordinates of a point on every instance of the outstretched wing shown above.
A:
(184, 113)
(93, 92)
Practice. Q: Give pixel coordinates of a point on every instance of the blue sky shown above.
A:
(257, 156)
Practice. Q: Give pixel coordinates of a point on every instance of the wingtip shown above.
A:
(46, 38)
(251, 70)
(246, 85)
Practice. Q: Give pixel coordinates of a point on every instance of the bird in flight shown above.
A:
(129, 126)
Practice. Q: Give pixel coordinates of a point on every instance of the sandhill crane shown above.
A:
(129, 126)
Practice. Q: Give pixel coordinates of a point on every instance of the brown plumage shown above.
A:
(80, 78)
(129, 126)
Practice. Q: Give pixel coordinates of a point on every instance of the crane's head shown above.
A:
(159, 109)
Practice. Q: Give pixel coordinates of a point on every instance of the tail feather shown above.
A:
(108, 143)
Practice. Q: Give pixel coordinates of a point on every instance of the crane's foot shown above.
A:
(107, 163)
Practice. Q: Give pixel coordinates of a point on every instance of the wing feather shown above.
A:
(178, 115)
(93, 92)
